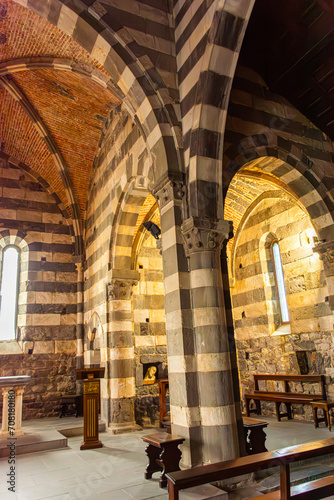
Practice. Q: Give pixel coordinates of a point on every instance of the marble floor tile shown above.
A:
(145, 491)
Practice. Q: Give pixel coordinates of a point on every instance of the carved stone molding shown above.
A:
(326, 254)
(205, 234)
(172, 190)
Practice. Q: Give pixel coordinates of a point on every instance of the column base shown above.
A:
(122, 428)
(4, 435)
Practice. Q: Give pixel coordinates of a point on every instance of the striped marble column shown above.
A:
(80, 316)
(121, 359)
(217, 413)
(232, 347)
(182, 376)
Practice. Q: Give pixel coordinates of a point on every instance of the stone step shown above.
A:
(76, 429)
(30, 443)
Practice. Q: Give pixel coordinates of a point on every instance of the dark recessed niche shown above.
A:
(240, 266)
(302, 362)
(140, 266)
(43, 259)
(247, 355)
(147, 320)
(243, 314)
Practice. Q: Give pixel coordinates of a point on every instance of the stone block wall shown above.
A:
(261, 344)
(46, 345)
(149, 329)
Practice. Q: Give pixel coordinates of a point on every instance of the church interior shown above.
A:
(167, 224)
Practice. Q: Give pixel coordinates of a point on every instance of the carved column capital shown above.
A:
(121, 289)
(121, 283)
(205, 234)
(171, 190)
(79, 267)
(326, 254)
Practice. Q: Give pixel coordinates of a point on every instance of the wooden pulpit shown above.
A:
(91, 401)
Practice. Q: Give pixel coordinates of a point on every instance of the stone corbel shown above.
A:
(121, 283)
(203, 234)
(172, 190)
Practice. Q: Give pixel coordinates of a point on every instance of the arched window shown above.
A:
(280, 283)
(10, 274)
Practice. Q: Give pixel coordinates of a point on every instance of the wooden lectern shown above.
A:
(91, 399)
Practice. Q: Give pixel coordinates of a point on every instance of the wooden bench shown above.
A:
(286, 396)
(313, 490)
(68, 406)
(163, 455)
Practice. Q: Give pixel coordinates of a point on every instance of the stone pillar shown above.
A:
(17, 427)
(4, 425)
(216, 407)
(232, 347)
(80, 315)
(18, 410)
(80, 324)
(326, 254)
(182, 375)
(121, 358)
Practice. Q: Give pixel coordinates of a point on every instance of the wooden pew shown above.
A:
(287, 397)
(313, 490)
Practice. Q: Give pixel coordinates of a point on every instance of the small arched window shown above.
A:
(280, 283)
(9, 290)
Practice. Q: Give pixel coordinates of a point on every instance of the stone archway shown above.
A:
(264, 343)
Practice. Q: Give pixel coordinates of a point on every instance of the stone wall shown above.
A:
(263, 346)
(149, 329)
(46, 345)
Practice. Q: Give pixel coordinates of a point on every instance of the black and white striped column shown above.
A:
(121, 359)
(184, 402)
(216, 409)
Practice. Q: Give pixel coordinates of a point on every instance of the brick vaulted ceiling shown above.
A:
(71, 106)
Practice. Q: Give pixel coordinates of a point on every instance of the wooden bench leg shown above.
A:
(278, 413)
(257, 439)
(169, 460)
(153, 455)
(289, 411)
(327, 418)
(173, 492)
(315, 417)
(328, 415)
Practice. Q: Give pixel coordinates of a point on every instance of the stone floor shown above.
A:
(115, 472)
